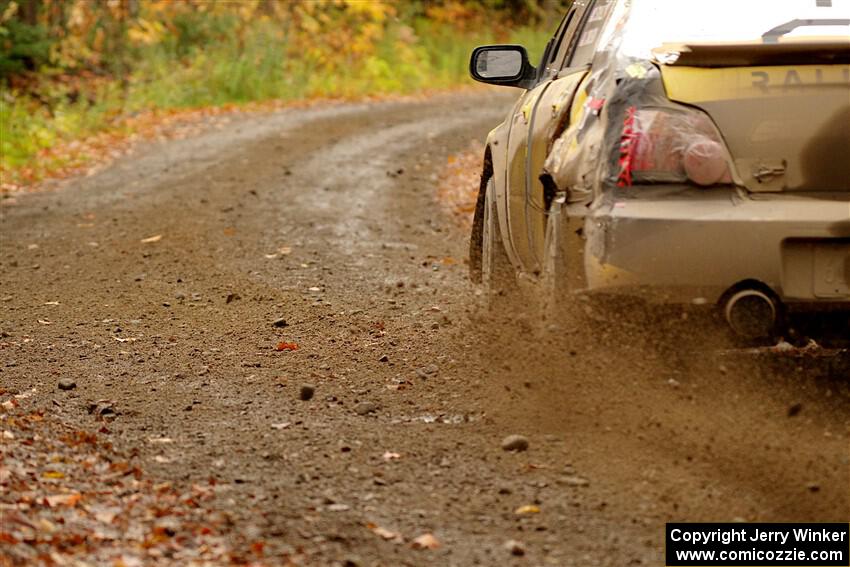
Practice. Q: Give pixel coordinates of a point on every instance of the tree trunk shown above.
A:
(29, 11)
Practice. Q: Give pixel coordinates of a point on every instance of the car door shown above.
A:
(524, 161)
(551, 116)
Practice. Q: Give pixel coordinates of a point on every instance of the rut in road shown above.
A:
(326, 218)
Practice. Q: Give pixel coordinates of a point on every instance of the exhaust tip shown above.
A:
(752, 314)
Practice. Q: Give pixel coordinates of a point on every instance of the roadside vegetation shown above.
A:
(73, 71)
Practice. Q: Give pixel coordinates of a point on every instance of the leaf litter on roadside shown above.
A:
(458, 184)
(67, 497)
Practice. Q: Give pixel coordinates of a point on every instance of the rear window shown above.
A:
(654, 22)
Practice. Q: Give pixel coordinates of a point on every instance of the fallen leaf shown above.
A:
(527, 509)
(389, 456)
(149, 239)
(106, 515)
(46, 525)
(69, 500)
(286, 346)
(25, 395)
(53, 474)
(425, 541)
(385, 533)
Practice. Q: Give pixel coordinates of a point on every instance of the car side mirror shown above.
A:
(505, 65)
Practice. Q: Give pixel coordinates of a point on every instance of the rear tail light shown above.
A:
(671, 145)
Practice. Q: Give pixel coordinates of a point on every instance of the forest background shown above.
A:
(80, 77)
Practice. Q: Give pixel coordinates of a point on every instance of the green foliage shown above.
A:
(194, 30)
(23, 47)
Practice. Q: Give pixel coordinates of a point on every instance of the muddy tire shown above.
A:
(560, 306)
(498, 277)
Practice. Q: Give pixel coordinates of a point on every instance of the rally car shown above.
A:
(685, 152)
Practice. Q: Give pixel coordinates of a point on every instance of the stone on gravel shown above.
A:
(574, 480)
(515, 547)
(428, 371)
(306, 392)
(515, 443)
(426, 541)
(280, 323)
(67, 384)
(795, 409)
(364, 408)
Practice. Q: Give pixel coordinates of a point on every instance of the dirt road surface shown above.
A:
(155, 285)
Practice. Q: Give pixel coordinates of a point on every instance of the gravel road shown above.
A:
(167, 282)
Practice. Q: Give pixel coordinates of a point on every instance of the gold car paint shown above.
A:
(497, 142)
(700, 84)
(787, 127)
(517, 178)
(680, 244)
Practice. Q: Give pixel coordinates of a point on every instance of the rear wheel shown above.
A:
(560, 306)
(498, 277)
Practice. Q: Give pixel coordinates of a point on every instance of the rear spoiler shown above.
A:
(821, 52)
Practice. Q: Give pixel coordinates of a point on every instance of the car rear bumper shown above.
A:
(681, 244)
